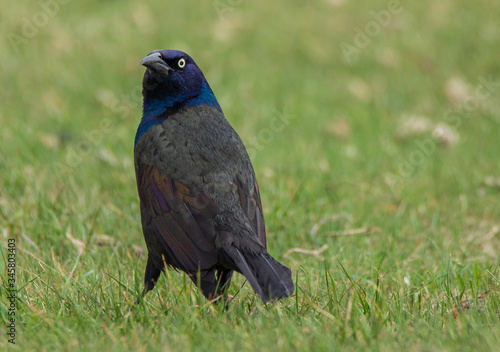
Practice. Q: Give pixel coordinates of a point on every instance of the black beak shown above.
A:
(155, 63)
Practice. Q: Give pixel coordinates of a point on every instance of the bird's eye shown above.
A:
(181, 63)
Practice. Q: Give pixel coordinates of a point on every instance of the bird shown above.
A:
(200, 205)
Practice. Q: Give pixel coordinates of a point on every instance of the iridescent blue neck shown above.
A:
(154, 109)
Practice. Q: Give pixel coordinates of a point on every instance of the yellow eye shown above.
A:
(181, 63)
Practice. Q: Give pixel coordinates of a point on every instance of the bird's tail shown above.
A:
(268, 278)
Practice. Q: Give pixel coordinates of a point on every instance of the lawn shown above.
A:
(373, 128)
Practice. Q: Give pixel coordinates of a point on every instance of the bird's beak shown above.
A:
(155, 63)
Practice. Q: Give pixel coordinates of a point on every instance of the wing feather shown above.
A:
(252, 208)
(181, 219)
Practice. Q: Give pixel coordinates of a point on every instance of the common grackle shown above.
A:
(200, 205)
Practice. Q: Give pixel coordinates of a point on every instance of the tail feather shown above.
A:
(282, 272)
(268, 278)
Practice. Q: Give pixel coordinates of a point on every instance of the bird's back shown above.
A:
(196, 146)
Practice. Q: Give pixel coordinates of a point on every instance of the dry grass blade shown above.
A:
(358, 231)
(314, 252)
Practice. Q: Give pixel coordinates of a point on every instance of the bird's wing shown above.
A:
(252, 208)
(182, 220)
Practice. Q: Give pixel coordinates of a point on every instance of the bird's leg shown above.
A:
(223, 283)
(150, 279)
(213, 288)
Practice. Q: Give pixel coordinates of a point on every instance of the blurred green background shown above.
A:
(373, 129)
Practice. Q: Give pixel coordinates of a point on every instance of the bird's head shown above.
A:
(172, 79)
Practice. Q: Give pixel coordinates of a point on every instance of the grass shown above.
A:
(356, 152)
